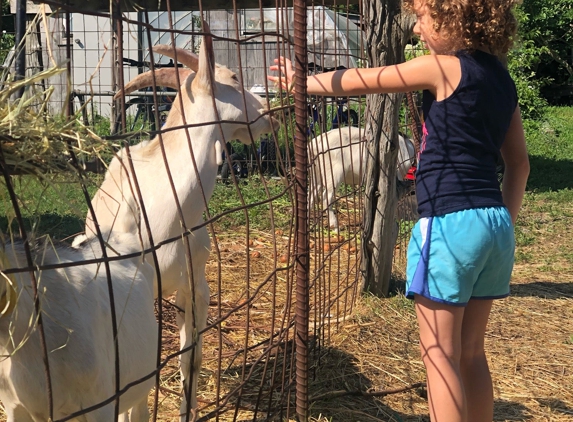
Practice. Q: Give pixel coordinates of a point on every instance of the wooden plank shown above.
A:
(179, 5)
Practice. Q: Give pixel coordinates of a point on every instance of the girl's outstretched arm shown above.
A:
(514, 154)
(436, 73)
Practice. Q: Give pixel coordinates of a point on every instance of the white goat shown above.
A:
(76, 319)
(192, 155)
(339, 156)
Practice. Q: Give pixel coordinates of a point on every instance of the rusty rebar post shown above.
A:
(301, 190)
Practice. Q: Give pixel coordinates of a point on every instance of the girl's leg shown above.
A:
(440, 344)
(473, 364)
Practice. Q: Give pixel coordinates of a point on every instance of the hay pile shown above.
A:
(33, 141)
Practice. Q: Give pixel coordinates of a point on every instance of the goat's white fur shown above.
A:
(76, 318)
(339, 156)
(117, 205)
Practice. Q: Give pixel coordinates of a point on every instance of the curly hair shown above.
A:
(473, 24)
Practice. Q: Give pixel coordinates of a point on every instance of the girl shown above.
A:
(460, 256)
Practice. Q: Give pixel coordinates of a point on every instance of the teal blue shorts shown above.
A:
(462, 255)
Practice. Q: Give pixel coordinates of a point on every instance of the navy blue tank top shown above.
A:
(462, 136)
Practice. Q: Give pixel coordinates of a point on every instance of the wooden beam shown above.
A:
(177, 5)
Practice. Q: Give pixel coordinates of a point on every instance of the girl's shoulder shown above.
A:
(440, 62)
(442, 73)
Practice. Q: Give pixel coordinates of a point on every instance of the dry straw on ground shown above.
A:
(529, 346)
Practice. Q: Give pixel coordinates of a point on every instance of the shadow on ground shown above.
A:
(338, 372)
(543, 289)
(555, 405)
(57, 226)
(336, 384)
(549, 174)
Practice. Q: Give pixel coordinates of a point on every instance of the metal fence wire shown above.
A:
(179, 240)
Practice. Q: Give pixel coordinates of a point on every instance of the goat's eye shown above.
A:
(235, 78)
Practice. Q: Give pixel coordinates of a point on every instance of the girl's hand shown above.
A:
(285, 80)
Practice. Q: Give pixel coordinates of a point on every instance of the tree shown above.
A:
(388, 32)
(542, 62)
(6, 24)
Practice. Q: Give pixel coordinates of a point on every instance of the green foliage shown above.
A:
(522, 63)
(552, 137)
(544, 52)
(6, 43)
(550, 147)
(347, 8)
(412, 51)
(6, 39)
(101, 125)
(5, 7)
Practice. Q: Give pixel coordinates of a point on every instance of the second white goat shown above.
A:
(339, 156)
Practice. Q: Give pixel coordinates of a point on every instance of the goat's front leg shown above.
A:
(17, 414)
(328, 204)
(192, 322)
(138, 413)
(100, 415)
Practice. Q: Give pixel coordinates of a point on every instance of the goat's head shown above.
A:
(209, 93)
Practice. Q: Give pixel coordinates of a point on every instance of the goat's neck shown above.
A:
(191, 155)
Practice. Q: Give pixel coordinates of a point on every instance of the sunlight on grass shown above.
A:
(55, 205)
(276, 204)
(543, 229)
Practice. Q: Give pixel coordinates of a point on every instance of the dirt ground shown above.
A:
(529, 344)
(375, 348)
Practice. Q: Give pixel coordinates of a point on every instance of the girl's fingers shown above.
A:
(284, 67)
(281, 84)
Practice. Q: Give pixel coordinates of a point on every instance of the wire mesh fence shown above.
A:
(138, 166)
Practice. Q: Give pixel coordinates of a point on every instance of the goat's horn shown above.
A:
(163, 77)
(186, 57)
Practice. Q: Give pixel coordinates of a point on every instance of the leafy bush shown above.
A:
(543, 57)
(6, 43)
(522, 62)
(6, 38)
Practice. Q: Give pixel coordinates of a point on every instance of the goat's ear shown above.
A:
(205, 79)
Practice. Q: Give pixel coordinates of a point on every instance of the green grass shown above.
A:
(55, 205)
(275, 205)
(550, 146)
(543, 229)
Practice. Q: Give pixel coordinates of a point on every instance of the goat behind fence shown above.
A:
(229, 251)
(77, 324)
